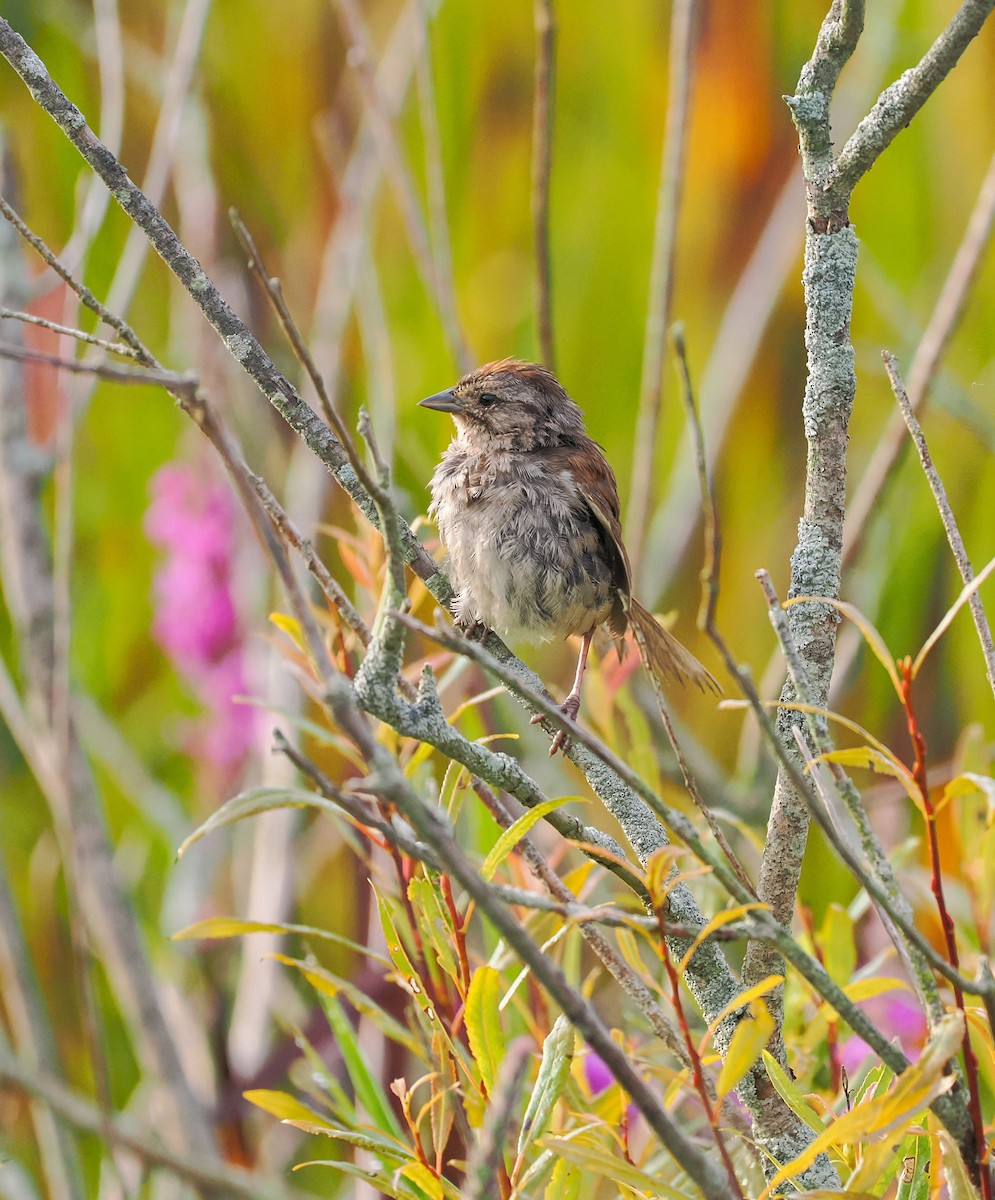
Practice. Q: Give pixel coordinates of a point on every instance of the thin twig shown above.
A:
(69, 331)
(543, 120)
(940, 328)
(86, 296)
(661, 283)
(899, 103)
(946, 514)
(274, 293)
(566, 902)
(183, 384)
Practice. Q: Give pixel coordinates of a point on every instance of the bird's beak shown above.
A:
(446, 401)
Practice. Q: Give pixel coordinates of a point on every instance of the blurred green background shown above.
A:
(271, 122)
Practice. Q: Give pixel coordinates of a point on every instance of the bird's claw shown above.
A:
(561, 739)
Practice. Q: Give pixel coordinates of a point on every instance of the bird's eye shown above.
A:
(487, 399)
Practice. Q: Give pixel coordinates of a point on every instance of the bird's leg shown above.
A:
(571, 705)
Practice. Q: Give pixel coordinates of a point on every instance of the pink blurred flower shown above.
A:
(596, 1073)
(897, 1016)
(193, 519)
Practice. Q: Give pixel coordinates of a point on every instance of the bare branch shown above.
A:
(946, 514)
(898, 104)
(68, 331)
(926, 361)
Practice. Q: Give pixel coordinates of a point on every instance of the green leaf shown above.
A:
(791, 1094)
(376, 1176)
(511, 836)
(915, 1089)
(967, 784)
(369, 1093)
(592, 1157)
(871, 636)
(554, 1071)
(564, 1183)
(966, 592)
(427, 1182)
(254, 802)
(882, 762)
(913, 1179)
(483, 1024)
(435, 922)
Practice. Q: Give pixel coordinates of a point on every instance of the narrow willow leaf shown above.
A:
(913, 1178)
(435, 922)
(869, 759)
(791, 1094)
(741, 1000)
(442, 1111)
(725, 917)
(955, 1176)
(327, 983)
(659, 869)
(285, 1107)
(966, 785)
(483, 1024)
(227, 927)
(915, 1089)
(554, 1071)
(511, 836)
(364, 1139)
(965, 594)
(426, 1181)
(253, 802)
(564, 1183)
(601, 1160)
(377, 1177)
(365, 1082)
(745, 1047)
(291, 627)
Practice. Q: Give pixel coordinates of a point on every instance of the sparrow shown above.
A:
(527, 508)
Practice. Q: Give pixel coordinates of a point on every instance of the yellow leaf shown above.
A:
(483, 1024)
(745, 1047)
(741, 1000)
(725, 917)
(915, 1089)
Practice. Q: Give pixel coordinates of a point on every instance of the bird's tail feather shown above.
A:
(663, 654)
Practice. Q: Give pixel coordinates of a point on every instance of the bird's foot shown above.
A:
(561, 741)
(475, 632)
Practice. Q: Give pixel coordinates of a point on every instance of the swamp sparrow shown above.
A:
(527, 507)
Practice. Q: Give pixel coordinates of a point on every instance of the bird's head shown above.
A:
(511, 405)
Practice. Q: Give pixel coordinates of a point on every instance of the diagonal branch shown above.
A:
(899, 103)
(946, 514)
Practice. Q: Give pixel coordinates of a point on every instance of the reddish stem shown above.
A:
(696, 1067)
(947, 925)
(459, 933)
